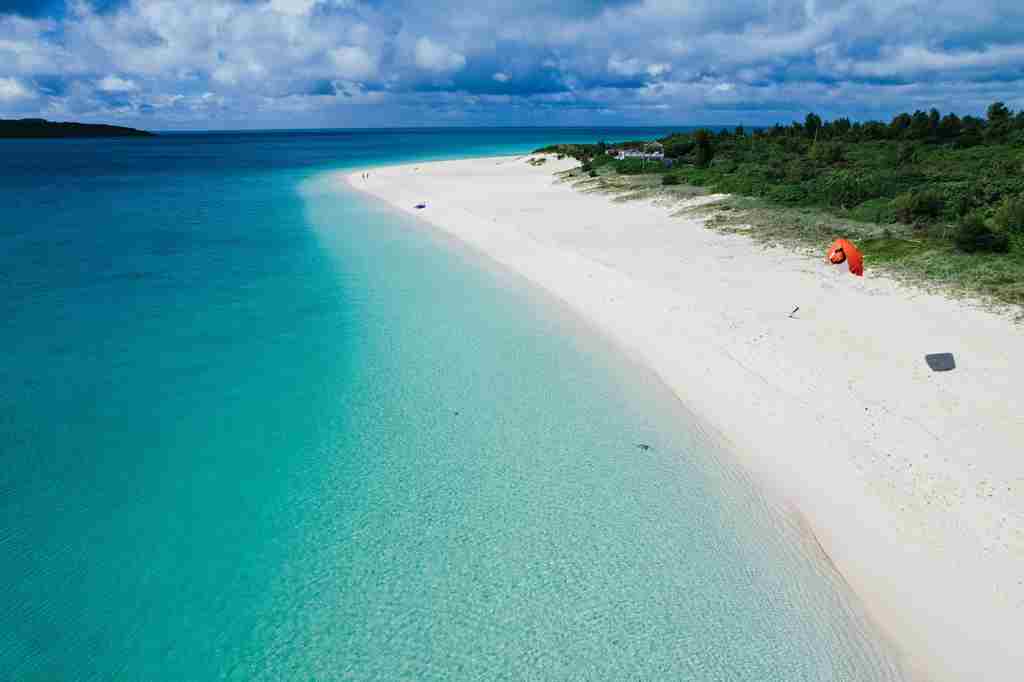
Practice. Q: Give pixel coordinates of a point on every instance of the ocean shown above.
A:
(255, 426)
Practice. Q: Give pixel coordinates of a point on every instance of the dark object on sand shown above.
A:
(423, 205)
(643, 446)
(792, 314)
(940, 362)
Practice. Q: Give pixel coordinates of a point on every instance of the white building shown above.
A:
(651, 152)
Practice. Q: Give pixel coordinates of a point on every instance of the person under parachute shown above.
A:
(844, 250)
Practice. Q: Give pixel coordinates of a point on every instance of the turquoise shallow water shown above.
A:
(254, 427)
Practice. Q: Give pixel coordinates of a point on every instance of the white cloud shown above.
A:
(624, 66)
(292, 7)
(26, 47)
(114, 83)
(12, 90)
(353, 63)
(659, 69)
(235, 73)
(432, 56)
(915, 59)
(315, 55)
(633, 66)
(164, 101)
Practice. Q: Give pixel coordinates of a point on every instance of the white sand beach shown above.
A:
(912, 480)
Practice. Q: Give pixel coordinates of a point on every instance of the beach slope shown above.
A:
(912, 480)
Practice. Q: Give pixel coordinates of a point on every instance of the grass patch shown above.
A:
(909, 255)
(881, 250)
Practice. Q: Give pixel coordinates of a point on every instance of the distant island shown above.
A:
(38, 127)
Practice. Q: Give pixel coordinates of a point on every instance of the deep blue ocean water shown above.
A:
(252, 426)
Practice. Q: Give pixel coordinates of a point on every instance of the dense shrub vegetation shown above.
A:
(1009, 217)
(973, 234)
(955, 183)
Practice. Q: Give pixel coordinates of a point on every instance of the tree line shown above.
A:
(949, 177)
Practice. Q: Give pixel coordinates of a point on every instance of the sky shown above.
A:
(233, 64)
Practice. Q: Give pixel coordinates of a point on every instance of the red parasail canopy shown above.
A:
(844, 250)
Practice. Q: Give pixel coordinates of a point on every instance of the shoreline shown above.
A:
(935, 554)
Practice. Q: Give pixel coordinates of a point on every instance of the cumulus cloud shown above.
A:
(292, 7)
(659, 69)
(632, 66)
(216, 63)
(624, 66)
(353, 63)
(433, 56)
(910, 60)
(12, 90)
(113, 83)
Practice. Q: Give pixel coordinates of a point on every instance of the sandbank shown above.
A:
(911, 480)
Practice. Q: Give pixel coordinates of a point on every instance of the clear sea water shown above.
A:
(254, 427)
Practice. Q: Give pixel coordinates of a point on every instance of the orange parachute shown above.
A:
(844, 250)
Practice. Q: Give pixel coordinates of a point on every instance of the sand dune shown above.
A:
(913, 481)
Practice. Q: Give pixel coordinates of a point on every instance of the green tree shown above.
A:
(841, 127)
(900, 123)
(812, 124)
(970, 131)
(920, 126)
(705, 148)
(677, 146)
(827, 152)
(949, 127)
(875, 130)
(1000, 122)
(998, 113)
